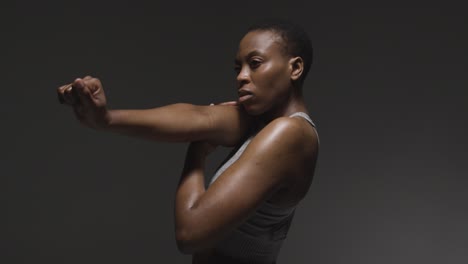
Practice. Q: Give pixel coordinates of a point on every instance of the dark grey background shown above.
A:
(388, 90)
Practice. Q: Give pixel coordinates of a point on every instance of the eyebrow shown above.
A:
(249, 55)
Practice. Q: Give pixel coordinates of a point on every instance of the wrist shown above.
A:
(108, 119)
(196, 156)
(201, 149)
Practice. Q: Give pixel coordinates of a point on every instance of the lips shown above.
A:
(244, 95)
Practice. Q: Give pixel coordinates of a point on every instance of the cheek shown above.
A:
(277, 82)
(272, 77)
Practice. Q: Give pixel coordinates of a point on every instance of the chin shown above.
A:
(253, 110)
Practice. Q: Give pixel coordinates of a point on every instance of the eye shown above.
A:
(255, 63)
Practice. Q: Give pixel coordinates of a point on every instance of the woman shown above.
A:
(245, 213)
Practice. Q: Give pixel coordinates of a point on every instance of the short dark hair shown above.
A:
(296, 40)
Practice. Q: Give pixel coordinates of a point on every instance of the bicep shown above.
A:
(222, 125)
(253, 178)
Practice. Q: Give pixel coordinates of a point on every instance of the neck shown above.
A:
(295, 103)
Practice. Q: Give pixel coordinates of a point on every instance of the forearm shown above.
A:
(192, 180)
(220, 125)
(191, 188)
(173, 123)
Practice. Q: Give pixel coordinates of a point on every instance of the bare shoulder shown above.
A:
(291, 147)
(290, 143)
(289, 134)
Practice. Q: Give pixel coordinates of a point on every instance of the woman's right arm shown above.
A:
(219, 124)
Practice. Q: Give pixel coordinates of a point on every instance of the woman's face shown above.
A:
(263, 72)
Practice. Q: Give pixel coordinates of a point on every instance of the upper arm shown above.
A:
(265, 166)
(221, 124)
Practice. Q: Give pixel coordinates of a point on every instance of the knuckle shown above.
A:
(85, 84)
(85, 91)
(61, 89)
(95, 81)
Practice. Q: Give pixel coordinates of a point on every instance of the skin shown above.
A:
(277, 165)
(223, 124)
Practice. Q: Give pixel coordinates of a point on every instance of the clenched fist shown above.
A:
(86, 97)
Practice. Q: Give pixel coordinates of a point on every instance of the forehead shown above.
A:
(260, 41)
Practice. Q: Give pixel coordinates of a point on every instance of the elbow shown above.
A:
(192, 239)
(193, 235)
(186, 243)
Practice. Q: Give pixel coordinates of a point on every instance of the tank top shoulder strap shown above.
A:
(305, 116)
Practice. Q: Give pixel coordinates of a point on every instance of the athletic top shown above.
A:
(260, 237)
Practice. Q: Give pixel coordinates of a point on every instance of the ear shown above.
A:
(297, 67)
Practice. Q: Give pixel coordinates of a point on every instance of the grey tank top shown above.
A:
(260, 237)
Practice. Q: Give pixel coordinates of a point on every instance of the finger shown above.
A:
(60, 94)
(94, 87)
(79, 111)
(60, 91)
(64, 96)
(92, 84)
(82, 93)
(79, 93)
(69, 95)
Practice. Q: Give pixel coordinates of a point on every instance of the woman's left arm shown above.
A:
(269, 163)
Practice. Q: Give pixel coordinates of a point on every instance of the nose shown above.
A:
(243, 77)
